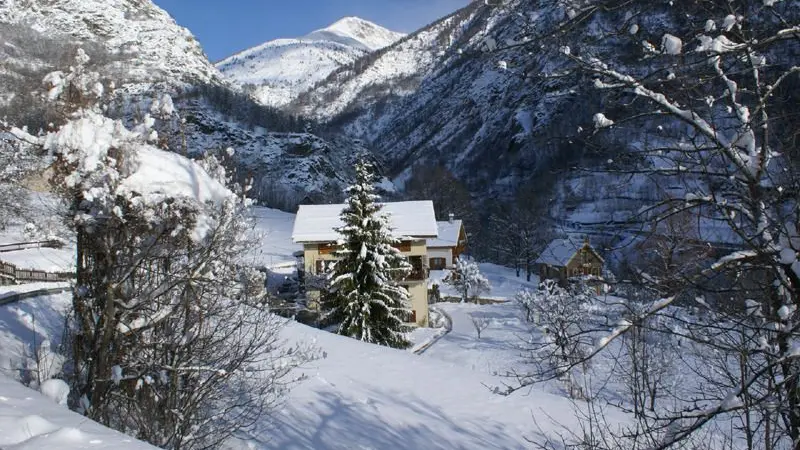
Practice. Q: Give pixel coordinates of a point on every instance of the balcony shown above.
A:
(418, 270)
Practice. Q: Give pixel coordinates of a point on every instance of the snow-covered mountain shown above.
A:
(146, 54)
(505, 114)
(278, 71)
(153, 46)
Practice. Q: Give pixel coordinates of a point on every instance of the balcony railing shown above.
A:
(418, 270)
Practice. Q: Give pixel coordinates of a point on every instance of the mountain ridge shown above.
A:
(276, 71)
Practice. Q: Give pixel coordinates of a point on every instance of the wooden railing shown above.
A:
(11, 274)
(26, 245)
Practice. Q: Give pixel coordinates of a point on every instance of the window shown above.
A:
(417, 268)
(437, 263)
(404, 246)
(327, 249)
(324, 266)
(414, 316)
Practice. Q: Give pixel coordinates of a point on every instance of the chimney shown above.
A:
(451, 218)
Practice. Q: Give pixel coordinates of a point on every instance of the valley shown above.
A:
(551, 224)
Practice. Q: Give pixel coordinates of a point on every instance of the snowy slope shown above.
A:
(28, 420)
(161, 47)
(281, 69)
(272, 236)
(367, 396)
(398, 70)
(463, 93)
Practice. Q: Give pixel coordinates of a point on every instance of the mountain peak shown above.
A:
(282, 69)
(357, 32)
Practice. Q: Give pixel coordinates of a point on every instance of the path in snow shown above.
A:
(495, 352)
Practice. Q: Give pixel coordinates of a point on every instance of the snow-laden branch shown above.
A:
(686, 115)
(145, 321)
(734, 258)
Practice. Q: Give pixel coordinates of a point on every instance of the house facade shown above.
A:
(412, 223)
(568, 258)
(444, 250)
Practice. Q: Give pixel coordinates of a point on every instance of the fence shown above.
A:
(10, 274)
(26, 245)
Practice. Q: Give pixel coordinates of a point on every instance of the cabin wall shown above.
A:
(441, 252)
(418, 289)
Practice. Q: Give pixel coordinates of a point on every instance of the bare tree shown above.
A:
(480, 323)
(169, 339)
(728, 141)
(467, 279)
(560, 332)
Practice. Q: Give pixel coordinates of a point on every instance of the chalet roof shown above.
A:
(449, 232)
(317, 223)
(560, 251)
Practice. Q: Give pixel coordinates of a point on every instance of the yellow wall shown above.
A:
(418, 290)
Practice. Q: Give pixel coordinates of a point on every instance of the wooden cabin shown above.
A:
(569, 258)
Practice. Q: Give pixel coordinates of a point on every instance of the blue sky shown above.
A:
(225, 27)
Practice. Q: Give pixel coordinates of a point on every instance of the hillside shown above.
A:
(276, 72)
(153, 45)
(141, 50)
(488, 94)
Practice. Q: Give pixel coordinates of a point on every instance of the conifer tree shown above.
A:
(367, 302)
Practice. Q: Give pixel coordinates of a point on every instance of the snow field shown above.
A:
(29, 420)
(33, 420)
(366, 396)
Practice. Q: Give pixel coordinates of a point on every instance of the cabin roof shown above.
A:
(449, 232)
(318, 223)
(560, 251)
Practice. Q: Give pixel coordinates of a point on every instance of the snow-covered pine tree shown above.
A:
(367, 302)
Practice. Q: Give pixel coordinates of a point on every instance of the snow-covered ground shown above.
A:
(47, 259)
(358, 396)
(365, 396)
(14, 289)
(497, 351)
(42, 222)
(25, 326)
(29, 420)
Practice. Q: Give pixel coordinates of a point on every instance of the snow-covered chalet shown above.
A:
(412, 223)
(444, 250)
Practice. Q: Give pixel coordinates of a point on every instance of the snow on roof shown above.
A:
(449, 233)
(317, 223)
(559, 252)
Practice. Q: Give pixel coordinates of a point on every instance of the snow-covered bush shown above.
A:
(365, 299)
(558, 344)
(167, 341)
(56, 390)
(466, 278)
